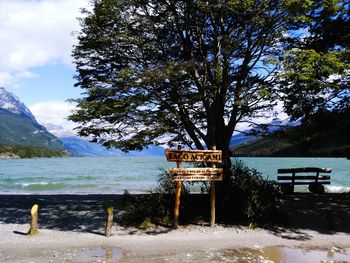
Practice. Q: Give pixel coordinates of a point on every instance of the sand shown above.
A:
(71, 230)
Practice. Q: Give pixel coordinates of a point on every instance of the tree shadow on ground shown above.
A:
(78, 213)
(327, 213)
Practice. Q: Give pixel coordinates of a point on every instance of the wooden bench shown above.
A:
(315, 181)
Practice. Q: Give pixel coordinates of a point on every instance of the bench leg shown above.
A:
(316, 188)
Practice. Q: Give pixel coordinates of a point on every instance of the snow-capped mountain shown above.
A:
(19, 127)
(9, 102)
(58, 130)
(81, 146)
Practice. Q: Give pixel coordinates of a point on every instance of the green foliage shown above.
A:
(155, 207)
(309, 86)
(248, 197)
(143, 210)
(21, 151)
(315, 70)
(184, 70)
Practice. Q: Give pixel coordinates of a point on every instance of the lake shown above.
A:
(136, 174)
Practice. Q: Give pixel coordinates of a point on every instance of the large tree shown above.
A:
(185, 72)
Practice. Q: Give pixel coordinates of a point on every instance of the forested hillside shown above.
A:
(326, 134)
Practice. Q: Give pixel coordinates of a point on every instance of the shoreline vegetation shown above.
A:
(21, 151)
(69, 224)
(268, 147)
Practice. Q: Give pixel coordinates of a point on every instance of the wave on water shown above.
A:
(22, 179)
(47, 186)
(336, 189)
(81, 178)
(41, 186)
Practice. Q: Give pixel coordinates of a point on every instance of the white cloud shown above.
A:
(36, 33)
(54, 112)
(276, 113)
(5, 78)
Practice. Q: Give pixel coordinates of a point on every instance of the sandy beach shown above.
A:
(72, 228)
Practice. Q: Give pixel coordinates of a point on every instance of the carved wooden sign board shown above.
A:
(194, 173)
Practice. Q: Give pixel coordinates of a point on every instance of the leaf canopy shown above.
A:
(179, 71)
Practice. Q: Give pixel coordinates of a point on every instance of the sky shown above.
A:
(36, 40)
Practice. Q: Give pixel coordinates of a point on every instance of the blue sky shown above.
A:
(36, 39)
(53, 82)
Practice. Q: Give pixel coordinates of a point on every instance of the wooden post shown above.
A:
(109, 255)
(177, 197)
(109, 222)
(34, 220)
(212, 197)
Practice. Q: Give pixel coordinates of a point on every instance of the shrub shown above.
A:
(244, 197)
(155, 207)
(248, 197)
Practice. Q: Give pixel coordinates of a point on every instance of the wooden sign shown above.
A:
(180, 174)
(196, 174)
(208, 156)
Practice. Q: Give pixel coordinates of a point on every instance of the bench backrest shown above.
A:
(300, 179)
(304, 170)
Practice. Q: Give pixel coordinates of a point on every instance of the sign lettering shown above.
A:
(197, 178)
(209, 156)
(196, 171)
(196, 174)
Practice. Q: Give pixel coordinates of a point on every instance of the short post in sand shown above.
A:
(177, 196)
(212, 196)
(34, 220)
(109, 254)
(109, 223)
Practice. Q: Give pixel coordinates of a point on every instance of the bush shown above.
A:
(155, 207)
(244, 197)
(247, 197)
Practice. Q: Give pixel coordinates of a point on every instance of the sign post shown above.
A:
(212, 197)
(180, 174)
(177, 196)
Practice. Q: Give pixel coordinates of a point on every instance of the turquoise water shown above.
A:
(136, 174)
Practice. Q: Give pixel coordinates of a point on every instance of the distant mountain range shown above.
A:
(79, 146)
(244, 138)
(18, 126)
